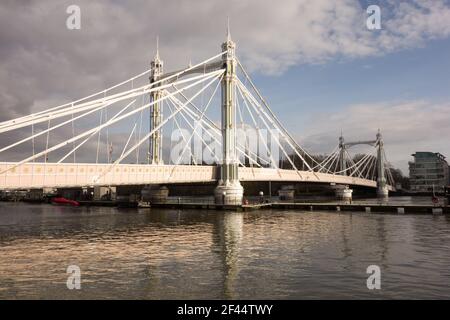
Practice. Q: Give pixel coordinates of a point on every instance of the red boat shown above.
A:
(65, 202)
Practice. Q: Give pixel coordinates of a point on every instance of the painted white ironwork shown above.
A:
(66, 130)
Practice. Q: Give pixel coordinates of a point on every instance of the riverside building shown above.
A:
(427, 170)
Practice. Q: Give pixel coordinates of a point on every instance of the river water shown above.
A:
(171, 254)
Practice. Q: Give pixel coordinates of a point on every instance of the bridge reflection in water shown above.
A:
(155, 254)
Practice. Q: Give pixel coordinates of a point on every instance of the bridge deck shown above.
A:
(40, 175)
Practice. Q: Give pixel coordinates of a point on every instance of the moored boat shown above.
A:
(65, 202)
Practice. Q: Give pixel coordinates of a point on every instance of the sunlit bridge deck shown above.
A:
(40, 175)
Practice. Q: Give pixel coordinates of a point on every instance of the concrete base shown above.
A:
(382, 192)
(229, 194)
(48, 190)
(286, 194)
(34, 194)
(104, 193)
(343, 192)
(155, 194)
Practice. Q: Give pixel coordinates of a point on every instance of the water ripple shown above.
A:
(170, 254)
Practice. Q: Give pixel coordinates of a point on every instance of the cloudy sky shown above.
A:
(318, 65)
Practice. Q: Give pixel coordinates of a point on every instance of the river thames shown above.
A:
(171, 254)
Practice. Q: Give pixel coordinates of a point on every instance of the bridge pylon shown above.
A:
(155, 149)
(229, 190)
(382, 187)
(342, 163)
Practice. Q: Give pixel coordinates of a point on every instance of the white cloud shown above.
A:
(40, 57)
(42, 63)
(312, 32)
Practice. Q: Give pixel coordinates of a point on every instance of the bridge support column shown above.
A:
(104, 193)
(229, 191)
(343, 192)
(155, 194)
(155, 152)
(286, 193)
(382, 188)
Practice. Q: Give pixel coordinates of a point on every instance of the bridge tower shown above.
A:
(342, 164)
(155, 149)
(155, 193)
(229, 190)
(342, 192)
(382, 188)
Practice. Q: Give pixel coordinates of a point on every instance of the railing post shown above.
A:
(229, 190)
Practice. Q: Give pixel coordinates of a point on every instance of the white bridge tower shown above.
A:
(155, 150)
(382, 188)
(229, 191)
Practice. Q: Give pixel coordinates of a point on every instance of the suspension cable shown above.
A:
(96, 131)
(158, 127)
(62, 144)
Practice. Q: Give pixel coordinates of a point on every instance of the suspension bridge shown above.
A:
(117, 137)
